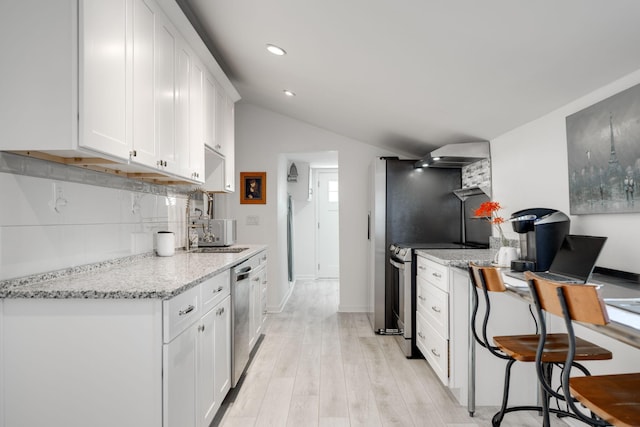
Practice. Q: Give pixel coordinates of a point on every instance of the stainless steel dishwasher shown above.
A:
(240, 317)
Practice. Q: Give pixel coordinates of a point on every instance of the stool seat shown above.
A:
(524, 347)
(614, 398)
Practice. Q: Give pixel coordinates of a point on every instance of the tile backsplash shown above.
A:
(49, 224)
(477, 174)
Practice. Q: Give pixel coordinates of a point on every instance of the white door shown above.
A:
(327, 223)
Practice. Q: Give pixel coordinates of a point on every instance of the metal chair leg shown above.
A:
(497, 418)
(545, 397)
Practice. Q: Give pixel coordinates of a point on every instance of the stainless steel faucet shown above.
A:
(206, 230)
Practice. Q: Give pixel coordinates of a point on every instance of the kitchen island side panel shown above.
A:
(80, 362)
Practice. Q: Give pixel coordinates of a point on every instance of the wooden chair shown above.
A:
(522, 348)
(615, 399)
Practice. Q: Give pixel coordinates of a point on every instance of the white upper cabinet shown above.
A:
(145, 148)
(229, 144)
(121, 90)
(165, 97)
(105, 77)
(210, 104)
(195, 164)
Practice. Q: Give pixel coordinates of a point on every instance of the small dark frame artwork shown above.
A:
(603, 147)
(253, 188)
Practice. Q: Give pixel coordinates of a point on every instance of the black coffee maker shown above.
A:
(541, 231)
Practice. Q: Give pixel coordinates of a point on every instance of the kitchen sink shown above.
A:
(217, 250)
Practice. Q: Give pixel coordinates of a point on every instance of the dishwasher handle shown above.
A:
(242, 273)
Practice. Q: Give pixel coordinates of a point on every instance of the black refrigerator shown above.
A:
(408, 205)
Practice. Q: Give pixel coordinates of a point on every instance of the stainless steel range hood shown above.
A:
(455, 155)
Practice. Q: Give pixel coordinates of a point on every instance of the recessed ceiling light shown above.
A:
(289, 93)
(276, 50)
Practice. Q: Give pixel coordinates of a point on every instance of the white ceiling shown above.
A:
(413, 75)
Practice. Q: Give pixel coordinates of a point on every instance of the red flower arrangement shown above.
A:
(489, 210)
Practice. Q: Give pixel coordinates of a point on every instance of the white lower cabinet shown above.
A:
(432, 315)
(197, 362)
(116, 362)
(442, 335)
(258, 278)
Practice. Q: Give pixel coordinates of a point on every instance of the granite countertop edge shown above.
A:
(143, 276)
(458, 258)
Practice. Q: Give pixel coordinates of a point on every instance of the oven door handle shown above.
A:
(396, 264)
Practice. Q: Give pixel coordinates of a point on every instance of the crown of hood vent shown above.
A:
(455, 155)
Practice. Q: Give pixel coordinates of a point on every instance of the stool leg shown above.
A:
(545, 397)
(497, 418)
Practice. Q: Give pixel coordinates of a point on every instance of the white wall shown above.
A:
(529, 167)
(262, 137)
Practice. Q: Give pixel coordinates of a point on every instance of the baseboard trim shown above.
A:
(352, 309)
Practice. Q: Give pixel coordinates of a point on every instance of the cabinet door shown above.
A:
(165, 96)
(184, 63)
(263, 296)
(207, 403)
(255, 310)
(179, 379)
(196, 168)
(229, 146)
(105, 77)
(209, 115)
(222, 345)
(144, 128)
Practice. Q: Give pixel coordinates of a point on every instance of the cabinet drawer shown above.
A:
(433, 304)
(433, 272)
(180, 312)
(262, 258)
(214, 290)
(434, 347)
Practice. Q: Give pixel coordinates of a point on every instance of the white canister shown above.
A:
(165, 243)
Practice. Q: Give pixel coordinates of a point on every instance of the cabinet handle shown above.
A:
(438, 275)
(186, 310)
(133, 153)
(435, 308)
(422, 298)
(420, 267)
(256, 279)
(220, 311)
(264, 283)
(435, 353)
(215, 291)
(421, 335)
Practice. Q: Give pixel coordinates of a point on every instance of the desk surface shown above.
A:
(624, 325)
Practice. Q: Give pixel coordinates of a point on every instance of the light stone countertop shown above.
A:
(459, 258)
(128, 278)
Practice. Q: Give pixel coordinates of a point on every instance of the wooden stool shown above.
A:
(523, 348)
(615, 399)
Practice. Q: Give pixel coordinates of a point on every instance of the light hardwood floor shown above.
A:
(317, 367)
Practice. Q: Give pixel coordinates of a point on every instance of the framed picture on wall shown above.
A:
(253, 188)
(603, 145)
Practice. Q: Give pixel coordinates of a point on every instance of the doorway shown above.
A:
(308, 247)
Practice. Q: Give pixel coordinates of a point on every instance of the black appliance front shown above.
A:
(420, 208)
